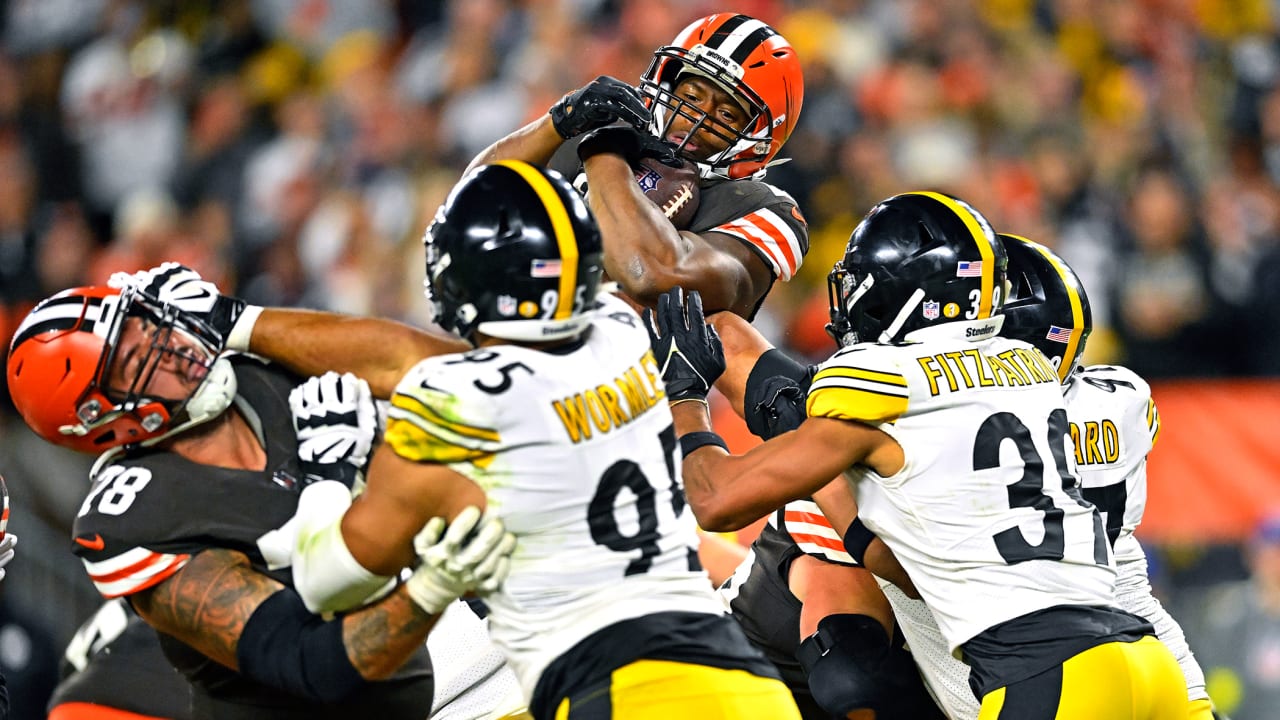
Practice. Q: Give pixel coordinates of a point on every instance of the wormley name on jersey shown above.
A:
(972, 368)
(607, 407)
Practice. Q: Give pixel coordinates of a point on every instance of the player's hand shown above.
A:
(632, 144)
(336, 422)
(470, 554)
(687, 349)
(6, 551)
(601, 102)
(180, 286)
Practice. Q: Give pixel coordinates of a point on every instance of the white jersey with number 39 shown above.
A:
(985, 514)
(576, 451)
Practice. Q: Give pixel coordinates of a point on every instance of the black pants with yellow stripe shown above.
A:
(669, 666)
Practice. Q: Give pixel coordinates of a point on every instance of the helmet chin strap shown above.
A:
(209, 401)
(908, 307)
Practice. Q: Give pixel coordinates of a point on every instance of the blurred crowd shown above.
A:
(294, 150)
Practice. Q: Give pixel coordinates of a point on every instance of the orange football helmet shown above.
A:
(60, 356)
(749, 60)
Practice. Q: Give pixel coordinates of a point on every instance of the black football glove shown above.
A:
(632, 144)
(601, 102)
(180, 286)
(687, 349)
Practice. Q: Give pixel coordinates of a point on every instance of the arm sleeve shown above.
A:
(326, 576)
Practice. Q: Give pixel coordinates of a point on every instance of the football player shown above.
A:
(199, 461)
(955, 442)
(114, 669)
(725, 95)
(556, 421)
(1114, 425)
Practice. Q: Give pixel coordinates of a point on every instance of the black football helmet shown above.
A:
(513, 253)
(1047, 305)
(917, 260)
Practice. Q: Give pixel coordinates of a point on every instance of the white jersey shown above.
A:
(472, 679)
(576, 452)
(945, 677)
(985, 514)
(1114, 423)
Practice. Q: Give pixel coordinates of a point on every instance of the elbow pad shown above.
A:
(775, 393)
(286, 647)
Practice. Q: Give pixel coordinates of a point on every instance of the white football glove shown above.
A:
(180, 286)
(336, 422)
(6, 551)
(473, 554)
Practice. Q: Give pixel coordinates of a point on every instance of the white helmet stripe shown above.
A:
(730, 43)
(64, 314)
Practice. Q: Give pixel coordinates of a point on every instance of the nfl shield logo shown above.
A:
(931, 310)
(647, 179)
(506, 305)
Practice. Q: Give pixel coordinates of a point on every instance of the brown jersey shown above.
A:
(148, 513)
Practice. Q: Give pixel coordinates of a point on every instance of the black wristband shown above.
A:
(857, 539)
(694, 440)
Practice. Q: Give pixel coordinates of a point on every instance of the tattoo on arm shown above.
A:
(207, 603)
(382, 636)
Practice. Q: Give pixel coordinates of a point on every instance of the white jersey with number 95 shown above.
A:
(576, 451)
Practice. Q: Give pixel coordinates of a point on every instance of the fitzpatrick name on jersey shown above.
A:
(600, 408)
(969, 369)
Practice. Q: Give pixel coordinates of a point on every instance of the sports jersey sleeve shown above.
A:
(112, 535)
(768, 221)
(437, 416)
(810, 530)
(861, 384)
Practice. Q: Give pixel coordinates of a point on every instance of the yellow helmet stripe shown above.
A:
(562, 225)
(1077, 307)
(985, 250)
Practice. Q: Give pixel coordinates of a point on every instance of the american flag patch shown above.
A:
(969, 268)
(1058, 334)
(545, 268)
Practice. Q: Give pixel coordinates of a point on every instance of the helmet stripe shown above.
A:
(58, 314)
(738, 42)
(985, 250)
(1077, 307)
(728, 26)
(563, 228)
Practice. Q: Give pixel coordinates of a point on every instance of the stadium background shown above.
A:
(293, 151)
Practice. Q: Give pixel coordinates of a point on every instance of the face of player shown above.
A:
(168, 364)
(718, 106)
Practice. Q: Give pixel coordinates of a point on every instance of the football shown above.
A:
(673, 189)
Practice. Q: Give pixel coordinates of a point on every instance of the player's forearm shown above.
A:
(380, 351)
(725, 491)
(534, 143)
(642, 249)
(380, 638)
